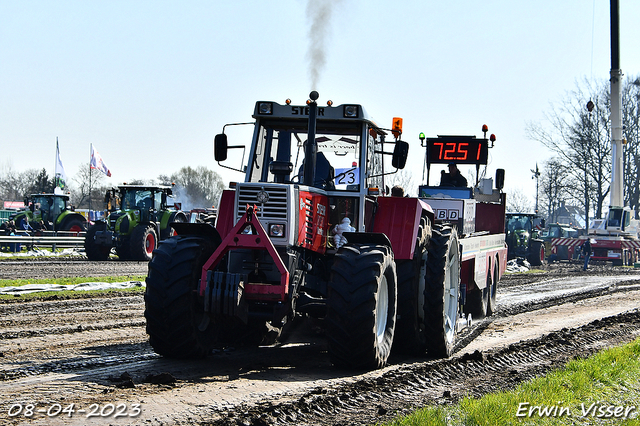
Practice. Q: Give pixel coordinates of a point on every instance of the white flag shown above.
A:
(97, 163)
(60, 178)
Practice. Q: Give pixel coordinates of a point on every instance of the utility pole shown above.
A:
(536, 176)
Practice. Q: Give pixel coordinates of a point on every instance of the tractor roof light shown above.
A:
(351, 111)
(265, 108)
(329, 102)
(485, 128)
(288, 101)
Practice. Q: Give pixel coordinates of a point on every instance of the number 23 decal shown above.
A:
(347, 176)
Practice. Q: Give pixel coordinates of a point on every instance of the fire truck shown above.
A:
(311, 234)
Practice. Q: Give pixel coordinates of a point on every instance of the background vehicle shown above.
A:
(138, 216)
(523, 237)
(615, 239)
(50, 212)
(311, 234)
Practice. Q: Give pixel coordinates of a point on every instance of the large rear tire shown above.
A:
(92, 250)
(144, 241)
(361, 306)
(172, 309)
(442, 291)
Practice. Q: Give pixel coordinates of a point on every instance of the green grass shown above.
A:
(67, 294)
(610, 378)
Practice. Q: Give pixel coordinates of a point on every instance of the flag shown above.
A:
(97, 163)
(60, 178)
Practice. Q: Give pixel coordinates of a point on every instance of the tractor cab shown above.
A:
(51, 212)
(341, 156)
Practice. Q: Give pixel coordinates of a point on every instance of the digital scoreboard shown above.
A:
(457, 149)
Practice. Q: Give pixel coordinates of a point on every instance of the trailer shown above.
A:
(478, 214)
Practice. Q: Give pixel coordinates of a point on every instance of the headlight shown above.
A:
(265, 108)
(276, 230)
(351, 111)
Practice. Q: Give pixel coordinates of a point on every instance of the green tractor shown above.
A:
(522, 237)
(49, 212)
(137, 217)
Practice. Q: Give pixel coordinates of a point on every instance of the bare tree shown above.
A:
(17, 185)
(404, 179)
(554, 186)
(91, 187)
(518, 202)
(199, 187)
(581, 140)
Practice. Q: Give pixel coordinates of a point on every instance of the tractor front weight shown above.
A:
(226, 293)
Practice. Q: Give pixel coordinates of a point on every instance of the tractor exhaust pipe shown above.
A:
(311, 148)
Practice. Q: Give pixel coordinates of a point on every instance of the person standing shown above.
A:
(586, 252)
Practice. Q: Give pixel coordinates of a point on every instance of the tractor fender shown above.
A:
(69, 214)
(200, 229)
(367, 238)
(399, 218)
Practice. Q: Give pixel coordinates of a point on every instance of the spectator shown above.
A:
(586, 252)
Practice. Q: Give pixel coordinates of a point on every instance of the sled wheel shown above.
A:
(492, 285)
(361, 306)
(441, 292)
(409, 338)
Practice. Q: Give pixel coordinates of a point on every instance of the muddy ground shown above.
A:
(92, 354)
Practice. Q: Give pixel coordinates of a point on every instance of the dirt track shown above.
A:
(55, 353)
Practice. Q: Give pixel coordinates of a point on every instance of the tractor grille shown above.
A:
(275, 209)
(113, 218)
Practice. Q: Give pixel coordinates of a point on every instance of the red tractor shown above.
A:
(311, 233)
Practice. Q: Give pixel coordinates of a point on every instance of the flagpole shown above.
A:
(55, 167)
(90, 151)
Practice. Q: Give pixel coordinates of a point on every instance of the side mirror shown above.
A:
(400, 154)
(500, 178)
(220, 147)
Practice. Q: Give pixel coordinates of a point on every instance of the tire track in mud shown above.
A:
(71, 349)
(402, 390)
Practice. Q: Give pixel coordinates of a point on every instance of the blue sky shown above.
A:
(150, 83)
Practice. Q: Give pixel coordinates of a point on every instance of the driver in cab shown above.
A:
(453, 178)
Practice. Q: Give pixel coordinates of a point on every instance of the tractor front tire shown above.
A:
(442, 289)
(361, 306)
(173, 311)
(92, 250)
(144, 241)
